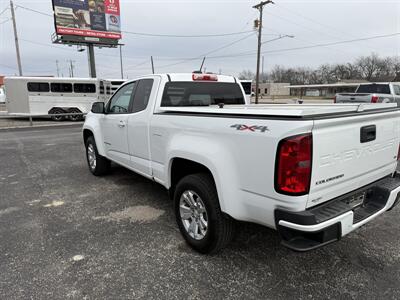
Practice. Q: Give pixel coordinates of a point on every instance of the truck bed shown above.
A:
(283, 110)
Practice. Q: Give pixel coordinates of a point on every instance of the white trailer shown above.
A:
(38, 96)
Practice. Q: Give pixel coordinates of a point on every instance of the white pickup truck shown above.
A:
(372, 93)
(313, 172)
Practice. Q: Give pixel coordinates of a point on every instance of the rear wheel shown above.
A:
(198, 214)
(98, 164)
(57, 111)
(75, 118)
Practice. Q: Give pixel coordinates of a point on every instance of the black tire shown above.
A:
(102, 165)
(75, 118)
(221, 227)
(55, 112)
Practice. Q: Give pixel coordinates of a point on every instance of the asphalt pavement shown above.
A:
(65, 234)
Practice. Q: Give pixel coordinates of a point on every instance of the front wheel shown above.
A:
(198, 214)
(98, 164)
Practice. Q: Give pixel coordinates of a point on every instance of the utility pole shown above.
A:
(58, 69)
(16, 38)
(152, 64)
(260, 8)
(120, 59)
(262, 69)
(91, 61)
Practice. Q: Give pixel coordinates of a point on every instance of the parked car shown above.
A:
(372, 93)
(313, 172)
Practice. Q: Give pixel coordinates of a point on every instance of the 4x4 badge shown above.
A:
(252, 128)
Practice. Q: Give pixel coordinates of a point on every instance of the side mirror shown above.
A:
(98, 108)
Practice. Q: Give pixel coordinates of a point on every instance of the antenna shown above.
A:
(202, 64)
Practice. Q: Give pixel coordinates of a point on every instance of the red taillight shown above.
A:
(374, 99)
(204, 77)
(293, 165)
(334, 99)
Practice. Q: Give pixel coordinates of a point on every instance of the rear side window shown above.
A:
(247, 87)
(85, 88)
(38, 87)
(142, 95)
(117, 83)
(396, 89)
(374, 89)
(201, 94)
(61, 87)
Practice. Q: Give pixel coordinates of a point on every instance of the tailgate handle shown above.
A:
(368, 134)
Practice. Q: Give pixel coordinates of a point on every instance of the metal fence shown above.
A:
(73, 117)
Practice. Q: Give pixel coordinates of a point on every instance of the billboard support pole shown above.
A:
(91, 61)
(120, 59)
(16, 38)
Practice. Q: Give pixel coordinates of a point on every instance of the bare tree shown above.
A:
(370, 67)
(247, 75)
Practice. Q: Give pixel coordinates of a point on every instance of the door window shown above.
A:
(396, 89)
(142, 95)
(119, 103)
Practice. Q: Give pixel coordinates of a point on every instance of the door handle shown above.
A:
(368, 134)
(121, 124)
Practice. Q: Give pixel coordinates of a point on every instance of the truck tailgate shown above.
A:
(352, 152)
(353, 97)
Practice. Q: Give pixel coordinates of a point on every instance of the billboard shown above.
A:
(88, 18)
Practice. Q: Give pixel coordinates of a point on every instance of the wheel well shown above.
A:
(182, 167)
(55, 110)
(86, 134)
(69, 109)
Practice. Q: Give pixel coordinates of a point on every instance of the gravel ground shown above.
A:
(65, 234)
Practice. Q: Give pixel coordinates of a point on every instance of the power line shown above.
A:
(9, 67)
(137, 65)
(316, 22)
(16, 69)
(33, 10)
(4, 10)
(68, 49)
(310, 19)
(250, 53)
(336, 43)
(187, 36)
(210, 52)
(5, 21)
(278, 38)
(155, 34)
(309, 47)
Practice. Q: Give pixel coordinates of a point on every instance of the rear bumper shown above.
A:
(327, 223)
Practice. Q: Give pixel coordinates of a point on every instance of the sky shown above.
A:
(311, 22)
